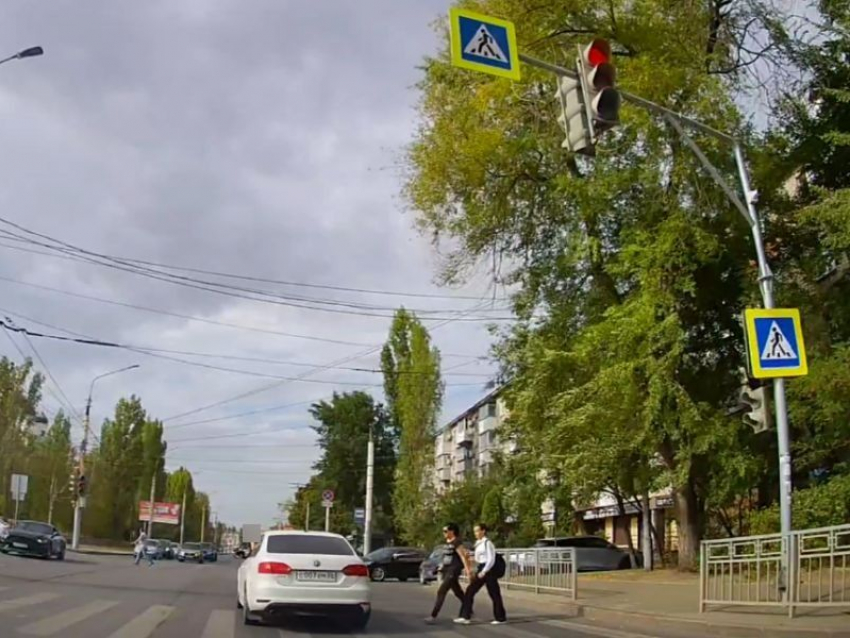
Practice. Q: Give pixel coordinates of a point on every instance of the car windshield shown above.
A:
(35, 528)
(191, 546)
(307, 544)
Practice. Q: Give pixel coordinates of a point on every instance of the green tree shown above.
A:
(343, 426)
(411, 368)
(631, 269)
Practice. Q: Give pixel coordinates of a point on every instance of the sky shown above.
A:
(262, 138)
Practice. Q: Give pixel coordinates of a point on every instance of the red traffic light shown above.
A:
(598, 52)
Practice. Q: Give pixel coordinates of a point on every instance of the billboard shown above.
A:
(168, 513)
(252, 533)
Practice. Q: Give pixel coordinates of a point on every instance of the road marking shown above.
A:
(593, 631)
(54, 624)
(143, 625)
(220, 624)
(26, 601)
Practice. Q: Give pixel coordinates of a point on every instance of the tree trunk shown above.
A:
(689, 517)
(622, 509)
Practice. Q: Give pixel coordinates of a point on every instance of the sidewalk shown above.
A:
(102, 550)
(667, 599)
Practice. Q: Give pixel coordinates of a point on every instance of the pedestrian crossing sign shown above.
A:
(483, 43)
(774, 342)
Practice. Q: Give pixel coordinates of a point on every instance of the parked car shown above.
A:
(31, 538)
(592, 553)
(191, 551)
(154, 548)
(210, 552)
(394, 562)
(5, 526)
(169, 549)
(304, 574)
(243, 551)
(429, 569)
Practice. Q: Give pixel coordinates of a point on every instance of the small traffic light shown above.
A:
(754, 402)
(72, 485)
(82, 483)
(591, 104)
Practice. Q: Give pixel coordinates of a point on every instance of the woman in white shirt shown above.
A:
(486, 576)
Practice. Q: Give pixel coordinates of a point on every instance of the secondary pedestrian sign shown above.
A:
(483, 43)
(775, 345)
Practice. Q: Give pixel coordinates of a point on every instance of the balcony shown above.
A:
(488, 424)
(444, 474)
(463, 437)
(485, 457)
(460, 455)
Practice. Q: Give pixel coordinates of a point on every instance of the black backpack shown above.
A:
(499, 567)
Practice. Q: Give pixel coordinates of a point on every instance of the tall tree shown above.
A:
(411, 367)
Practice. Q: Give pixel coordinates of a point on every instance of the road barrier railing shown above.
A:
(541, 570)
(807, 568)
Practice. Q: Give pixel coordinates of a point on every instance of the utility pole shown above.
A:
(327, 519)
(307, 518)
(153, 496)
(183, 516)
(79, 500)
(646, 532)
(215, 530)
(52, 496)
(370, 489)
(203, 521)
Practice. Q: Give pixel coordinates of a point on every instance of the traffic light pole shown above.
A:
(81, 468)
(747, 208)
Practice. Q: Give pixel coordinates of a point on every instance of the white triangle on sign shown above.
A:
(777, 348)
(484, 45)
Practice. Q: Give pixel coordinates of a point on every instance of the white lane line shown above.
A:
(143, 625)
(220, 624)
(26, 601)
(55, 624)
(594, 631)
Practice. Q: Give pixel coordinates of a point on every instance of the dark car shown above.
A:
(154, 548)
(191, 551)
(592, 553)
(31, 538)
(210, 552)
(394, 562)
(243, 551)
(429, 570)
(170, 550)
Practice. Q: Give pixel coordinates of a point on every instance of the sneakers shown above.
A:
(430, 620)
(498, 622)
(462, 621)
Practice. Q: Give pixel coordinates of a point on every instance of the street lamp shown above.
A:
(26, 53)
(80, 500)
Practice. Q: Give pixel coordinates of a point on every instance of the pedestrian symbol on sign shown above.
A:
(484, 45)
(777, 346)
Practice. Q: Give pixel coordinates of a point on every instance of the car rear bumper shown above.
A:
(309, 600)
(343, 611)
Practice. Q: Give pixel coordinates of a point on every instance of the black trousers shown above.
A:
(450, 582)
(493, 590)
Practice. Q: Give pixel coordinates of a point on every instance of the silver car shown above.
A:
(592, 553)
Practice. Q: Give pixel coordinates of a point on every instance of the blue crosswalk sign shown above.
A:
(775, 343)
(484, 43)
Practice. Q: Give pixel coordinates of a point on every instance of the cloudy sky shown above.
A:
(253, 137)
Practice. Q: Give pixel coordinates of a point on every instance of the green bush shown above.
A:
(818, 506)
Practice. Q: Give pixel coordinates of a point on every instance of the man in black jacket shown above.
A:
(455, 562)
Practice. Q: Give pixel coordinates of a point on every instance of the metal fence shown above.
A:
(541, 570)
(807, 568)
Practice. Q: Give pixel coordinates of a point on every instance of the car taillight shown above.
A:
(280, 569)
(356, 570)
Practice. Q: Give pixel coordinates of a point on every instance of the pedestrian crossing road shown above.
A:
(109, 597)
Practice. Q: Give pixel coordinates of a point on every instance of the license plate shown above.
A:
(20, 545)
(316, 577)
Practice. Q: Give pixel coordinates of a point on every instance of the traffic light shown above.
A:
(754, 402)
(72, 485)
(590, 105)
(82, 482)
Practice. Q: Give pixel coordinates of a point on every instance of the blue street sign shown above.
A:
(483, 43)
(359, 516)
(775, 345)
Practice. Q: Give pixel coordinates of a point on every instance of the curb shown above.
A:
(99, 552)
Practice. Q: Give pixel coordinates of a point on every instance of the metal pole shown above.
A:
(203, 522)
(780, 406)
(153, 498)
(51, 499)
(327, 519)
(307, 517)
(81, 468)
(17, 503)
(370, 489)
(183, 516)
(646, 534)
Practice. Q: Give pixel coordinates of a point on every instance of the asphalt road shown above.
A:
(108, 597)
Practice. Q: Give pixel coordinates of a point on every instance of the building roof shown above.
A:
(493, 394)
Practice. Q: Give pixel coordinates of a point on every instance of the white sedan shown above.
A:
(304, 574)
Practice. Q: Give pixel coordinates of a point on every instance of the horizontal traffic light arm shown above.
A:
(634, 99)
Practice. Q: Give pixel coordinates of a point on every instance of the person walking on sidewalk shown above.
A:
(490, 567)
(139, 549)
(455, 562)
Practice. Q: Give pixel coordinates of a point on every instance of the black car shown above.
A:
(394, 562)
(31, 538)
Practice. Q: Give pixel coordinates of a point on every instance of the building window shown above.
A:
(488, 410)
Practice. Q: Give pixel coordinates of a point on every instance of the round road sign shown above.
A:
(328, 495)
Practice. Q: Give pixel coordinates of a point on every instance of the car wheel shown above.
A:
(378, 574)
(625, 563)
(247, 617)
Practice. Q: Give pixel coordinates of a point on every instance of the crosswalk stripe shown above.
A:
(143, 625)
(54, 624)
(220, 624)
(26, 601)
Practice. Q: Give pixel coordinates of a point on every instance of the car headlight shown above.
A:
(41, 540)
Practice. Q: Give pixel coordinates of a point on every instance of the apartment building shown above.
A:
(468, 444)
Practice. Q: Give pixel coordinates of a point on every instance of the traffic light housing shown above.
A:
(72, 484)
(590, 104)
(82, 484)
(754, 402)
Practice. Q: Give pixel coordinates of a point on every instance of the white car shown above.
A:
(304, 574)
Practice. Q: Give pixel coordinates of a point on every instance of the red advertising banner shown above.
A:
(168, 513)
